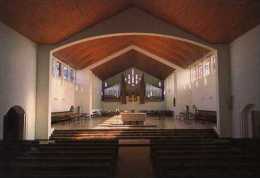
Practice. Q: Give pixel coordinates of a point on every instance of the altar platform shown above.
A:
(132, 118)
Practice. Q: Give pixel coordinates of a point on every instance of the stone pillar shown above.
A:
(43, 90)
(162, 87)
(123, 90)
(142, 90)
(224, 96)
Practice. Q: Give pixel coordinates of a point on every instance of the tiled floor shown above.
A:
(115, 122)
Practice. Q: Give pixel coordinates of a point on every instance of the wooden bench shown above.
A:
(160, 113)
(64, 159)
(205, 158)
(63, 116)
(204, 115)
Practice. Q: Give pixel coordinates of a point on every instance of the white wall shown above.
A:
(17, 76)
(170, 91)
(245, 63)
(83, 90)
(96, 92)
(88, 92)
(183, 90)
(62, 91)
(202, 93)
(63, 95)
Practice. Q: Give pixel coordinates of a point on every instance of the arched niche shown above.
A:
(246, 121)
(14, 123)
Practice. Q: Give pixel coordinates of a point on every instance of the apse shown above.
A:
(132, 85)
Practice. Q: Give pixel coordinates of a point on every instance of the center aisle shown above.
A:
(134, 159)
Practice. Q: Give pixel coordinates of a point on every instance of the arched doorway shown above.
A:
(14, 124)
(246, 121)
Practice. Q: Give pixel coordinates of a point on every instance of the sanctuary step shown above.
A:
(59, 159)
(89, 134)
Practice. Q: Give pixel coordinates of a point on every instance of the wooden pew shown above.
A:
(69, 159)
(205, 158)
(204, 115)
(63, 116)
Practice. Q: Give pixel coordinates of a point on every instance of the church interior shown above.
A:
(129, 88)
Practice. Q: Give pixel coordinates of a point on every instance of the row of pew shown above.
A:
(205, 158)
(63, 116)
(93, 159)
(93, 153)
(159, 113)
(88, 134)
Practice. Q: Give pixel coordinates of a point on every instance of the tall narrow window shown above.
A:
(72, 75)
(213, 63)
(65, 73)
(200, 71)
(132, 77)
(56, 68)
(206, 68)
(193, 73)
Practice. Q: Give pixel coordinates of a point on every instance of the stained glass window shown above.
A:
(72, 75)
(194, 74)
(200, 71)
(65, 72)
(132, 77)
(213, 63)
(206, 68)
(56, 68)
(203, 68)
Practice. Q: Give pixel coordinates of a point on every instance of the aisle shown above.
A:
(134, 161)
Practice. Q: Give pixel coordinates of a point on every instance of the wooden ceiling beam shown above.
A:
(179, 58)
(130, 59)
(171, 57)
(101, 56)
(89, 52)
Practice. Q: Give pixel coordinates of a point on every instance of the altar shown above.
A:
(129, 118)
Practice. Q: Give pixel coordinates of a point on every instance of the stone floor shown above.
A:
(115, 122)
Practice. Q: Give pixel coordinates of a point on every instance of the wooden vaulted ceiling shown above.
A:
(215, 21)
(51, 21)
(86, 53)
(130, 59)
